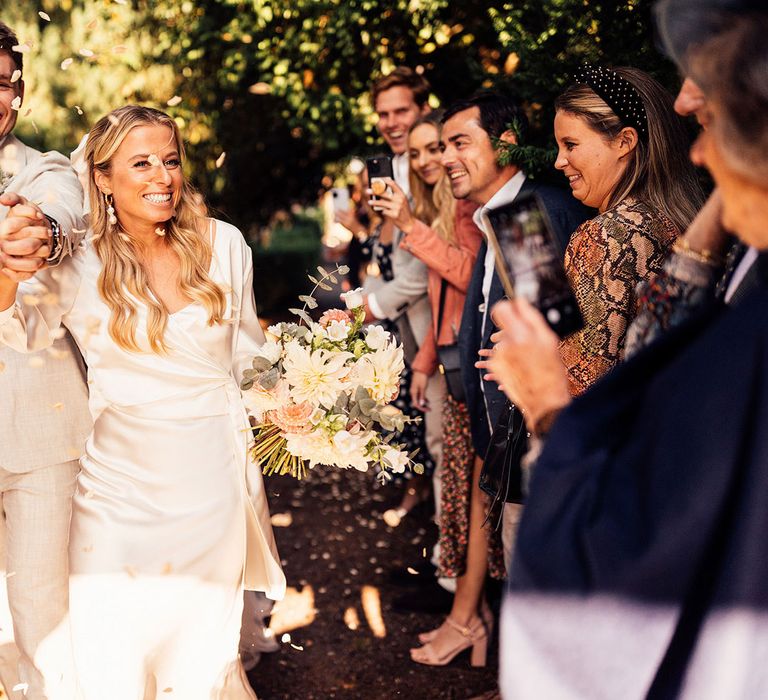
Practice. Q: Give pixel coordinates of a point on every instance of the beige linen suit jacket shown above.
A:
(45, 417)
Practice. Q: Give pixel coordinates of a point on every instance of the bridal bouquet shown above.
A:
(321, 392)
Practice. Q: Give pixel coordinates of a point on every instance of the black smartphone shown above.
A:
(529, 262)
(378, 168)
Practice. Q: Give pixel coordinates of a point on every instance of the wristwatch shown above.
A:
(57, 242)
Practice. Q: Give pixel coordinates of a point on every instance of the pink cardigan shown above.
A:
(452, 261)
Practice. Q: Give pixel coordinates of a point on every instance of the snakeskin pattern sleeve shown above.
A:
(605, 260)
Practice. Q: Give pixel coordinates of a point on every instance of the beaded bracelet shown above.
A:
(704, 256)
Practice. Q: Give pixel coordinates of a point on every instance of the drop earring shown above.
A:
(110, 210)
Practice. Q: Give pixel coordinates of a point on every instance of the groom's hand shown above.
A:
(25, 238)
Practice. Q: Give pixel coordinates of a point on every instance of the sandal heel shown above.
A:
(479, 652)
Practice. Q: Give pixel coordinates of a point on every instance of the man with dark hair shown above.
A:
(45, 404)
(474, 131)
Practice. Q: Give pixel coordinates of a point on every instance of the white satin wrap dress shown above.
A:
(170, 519)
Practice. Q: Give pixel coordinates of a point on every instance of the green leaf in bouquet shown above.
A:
(342, 269)
(303, 315)
(387, 438)
(358, 348)
(342, 401)
(322, 271)
(268, 380)
(366, 406)
(246, 384)
(386, 422)
(361, 393)
(418, 468)
(412, 454)
(260, 364)
(249, 373)
(354, 412)
(308, 300)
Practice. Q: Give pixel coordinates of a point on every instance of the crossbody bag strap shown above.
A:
(441, 305)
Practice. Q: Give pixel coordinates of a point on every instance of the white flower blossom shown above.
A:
(316, 377)
(353, 298)
(337, 331)
(396, 459)
(379, 372)
(376, 337)
(271, 351)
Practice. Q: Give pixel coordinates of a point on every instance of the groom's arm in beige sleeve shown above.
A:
(53, 185)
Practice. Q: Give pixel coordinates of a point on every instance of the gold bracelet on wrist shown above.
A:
(704, 256)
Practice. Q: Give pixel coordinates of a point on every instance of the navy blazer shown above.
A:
(566, 214)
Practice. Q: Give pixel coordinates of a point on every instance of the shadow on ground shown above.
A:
(344, 640)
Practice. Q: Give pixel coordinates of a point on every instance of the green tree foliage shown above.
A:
(280, 87)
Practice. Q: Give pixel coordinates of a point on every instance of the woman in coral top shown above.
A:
(448, 246)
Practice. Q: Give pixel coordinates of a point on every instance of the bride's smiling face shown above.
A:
(145, 177)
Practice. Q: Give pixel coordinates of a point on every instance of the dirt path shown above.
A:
(336, 553)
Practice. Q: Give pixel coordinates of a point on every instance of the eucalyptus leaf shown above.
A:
(361, 393)
(261, 364)
(246, 384)
(249, 373)
(342, 401)
(303, 315)
(354, 412)
(342, 269)
(366, 406)
(269, 379)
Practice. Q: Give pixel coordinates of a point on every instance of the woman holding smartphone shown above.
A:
(649, 496)
(439, 230)
(625, 153)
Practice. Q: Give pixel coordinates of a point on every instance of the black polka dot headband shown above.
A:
(618, 93)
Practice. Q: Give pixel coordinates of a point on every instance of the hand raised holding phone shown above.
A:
(393, 204)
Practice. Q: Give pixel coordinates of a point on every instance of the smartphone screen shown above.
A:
(528, 261)
(378, 168)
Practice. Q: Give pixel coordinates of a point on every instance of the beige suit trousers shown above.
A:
(34, 536)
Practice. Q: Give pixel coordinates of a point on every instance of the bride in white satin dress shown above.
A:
(170, 520)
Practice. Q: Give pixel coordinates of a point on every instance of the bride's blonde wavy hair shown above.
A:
(123, 278)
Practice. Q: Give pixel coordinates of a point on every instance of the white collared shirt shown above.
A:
(400, 168)
(740, 272)
(506, 194)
